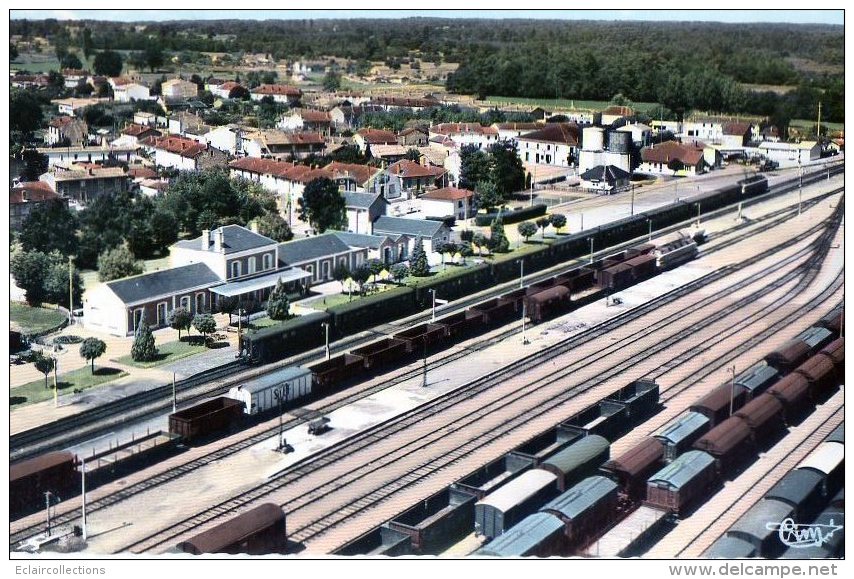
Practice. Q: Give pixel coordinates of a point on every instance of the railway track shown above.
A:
(98, 421)
(307, 532)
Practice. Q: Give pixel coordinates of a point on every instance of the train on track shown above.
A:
(272, 344)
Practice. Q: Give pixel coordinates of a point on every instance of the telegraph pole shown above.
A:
(83, 488)
(326, 330)
(47, 496)
(70, 291)
(732, 389)
(424, 365)
(174, 395)
(522, 273)
(591, 250)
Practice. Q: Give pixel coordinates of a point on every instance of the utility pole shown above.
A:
(55, 387)
(433, 317)
(698, 215)
(582, 221)
(732, 389)
(591, 250)
(424, 366)
(174, 395)
(70, 291)
(818, 123)
(326, 331)
(83, 489)
(524, 315)
(522, 273)
(47, 496)
(800, 186)
(650, 229)
(633, 199)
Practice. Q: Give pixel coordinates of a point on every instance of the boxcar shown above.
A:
(829, 460)
(643, 266)
(820, 374)
(616, 277)
(584, 280)
(328, 374)
(537, 535)
(730, 548)
(764, 415)
(757, 379)
(29, 480)
(681, 433)
(261, 394)
(834, 545)
(586, 508)
(260, 531)
(793, 392)
(753, 526)
(642, 249)
(205, 419)
(728, 442)
(547, 303)
(679, 484)
(577, 461)
(716, 404)
(833, 321)
(838, 434)
(836, 352)
(381, 353)
(511, 503)
(536, 288)
(675, 253)
(632, 468)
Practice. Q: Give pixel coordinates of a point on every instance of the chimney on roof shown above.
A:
(206, 239)
(253, 226)
(218, 240)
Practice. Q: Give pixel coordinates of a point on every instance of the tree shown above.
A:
(278, 304)
(92, 348)
(35, 164)
(498, 241)
(45, 365)
(322, 206)
(239, 92)
(361, 275)
(50, 226)
(413, 155)
(180, 319)
(13, 51)
(507, 171)
(332, 81)
(205, 324)
(274, 226)
(488, 195)
(340, 273)
(558, 220)
(419, 266)
(399, 271)
(117, 263)
(526, 229)
(153, 56)
(542, 223)
(28, 269)
(474, 167)
(143, 348)
(88, 47)
(25, 112)
(481, 241)
(108, 63)
(71, 60)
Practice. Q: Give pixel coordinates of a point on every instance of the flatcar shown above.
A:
(260, 531)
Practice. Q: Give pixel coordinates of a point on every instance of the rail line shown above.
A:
(96, 421)
(364, 439)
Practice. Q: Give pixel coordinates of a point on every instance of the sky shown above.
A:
(788, 16)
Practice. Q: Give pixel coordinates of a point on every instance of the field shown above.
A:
(74, 381)
(551, 104)
(803, 124)
(34, 320)
(168, 352)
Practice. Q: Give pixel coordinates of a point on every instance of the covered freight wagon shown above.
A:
(838, 434)
(764, 415)
(511, 503)
(269, 391)
(832, 522)
(718, 404)
(836, 352)
(790, 355)
(729, 442)
(680, 434)
(259, 531)
(803, 489)
(537, 535)
(632, 468)
(30, 479)
(757, 379)
(730, 548)
(616, 277)
(753, 527)
(820, 374)
(578, 460)
(204, 419)
(679, 484)
(547, 303)
(586, 508)
(643, 266)
(793, 392)
(833, 321)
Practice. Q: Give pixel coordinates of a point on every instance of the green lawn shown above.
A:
(807, 124)
(74, 381)
(168, 352)
(562, 103)
(36, 62)
(34, 320)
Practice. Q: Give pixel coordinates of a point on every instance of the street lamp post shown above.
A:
(47, 496)
(55, 386)
(433, 317)
(524, 315)
(83, 493)
(282, 394)
(326, 331)
(70, 291)
(522, 273)
(633, 200)
(732, 389)
(591, 250)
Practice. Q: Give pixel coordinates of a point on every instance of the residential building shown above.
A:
(185, 154)
(35, 81)
(131, 92)
(145, 119)
(555, 144)
(178, 89)
(368, 137)
(641, 133)
(320, 254)
(415, 177)
(71, 106)
(68, 131)
(790, 154)
(74, 77)
(432, 233)
(736, 135)
(510, 131)
(413, 137)
(83, 182)
(279, 93)
(363, 209)
(25, 197)
(672, 158)
(662, 126)
(64, 155)
(282, 145)
(222, 90)
(388, 153)
(466, 133)
(306, 120)
(605, 179)
(449, 201)
(616, 112)
(134, 133)
(183, 122)
(387, 248)
(392, 103)
(770, 134)
(225, 138)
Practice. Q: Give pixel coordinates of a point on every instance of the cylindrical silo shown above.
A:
(619, 141)
(593, 139)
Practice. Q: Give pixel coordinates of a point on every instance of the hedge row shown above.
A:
(518, 214)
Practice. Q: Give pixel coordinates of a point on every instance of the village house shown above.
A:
(178, 89)
(282, 145)
(133, 133)
(71, 106)
(466, 134)
(736, 135)
(605, 179)
(64, 155)
(672, 158)
(67, 131)
(225, 138)
(185, 154)
(614, 113)
(413, 137)
(389, 249)
(145, 119)
(388, 154)
(288, 95)
(641, 133)
(368, 138)
(223, 90)
(511, 131)
(183, 122)
(415, 177)
(363, 209)
(74, 77)
(25, 197)
(83, 182)
(392, 103)
(432, 233)
(126, 93)
(306, 120)
(555, 144)
(446, 201)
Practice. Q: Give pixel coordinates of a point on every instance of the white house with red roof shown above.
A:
(466, 133)
(449, 201)
(672, 158)
(25, 197)
(280, 93)
(186, 154)
(555, 144)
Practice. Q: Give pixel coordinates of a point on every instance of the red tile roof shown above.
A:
(273, 167)
(405, 102)
(276, 89)
(142, 172)
(313, 116)
(62, 122)
(738, 129)
(619, 111)
(410, 169)
(462, 129)
(448, 194)
(180, 146)
(561, 133)
(228, 85)
(669, 150)
(135, 130)
(34, 191)
(302, 173)
(378, 137)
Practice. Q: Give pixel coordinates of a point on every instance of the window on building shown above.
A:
(325, 270)
(161, 314)
(251, 264)
(185, 303)
(235, 269)
(137, 317)
(268, 261)
(200, 302)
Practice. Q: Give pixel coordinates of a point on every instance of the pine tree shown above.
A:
(419, 266)
(143, 349)
(498, 240)
(278, 304)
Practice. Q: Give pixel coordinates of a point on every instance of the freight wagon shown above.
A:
(272, 390)
(423, 336)
(259, 531)
(338, 370)
(632, 468)
(437, 522)
(585, 509)
(681, 433)
(820, 374)
(765, 416)
(205, 419)
(718, 404)
(577, 460)
(828, 460)
(803, 490)
(729, 443)
(757, 379)
(832, 523)
(793, 392)
(538, 535)
(833, 321)
(754, 529)
(675, 253)
(382, 353)
(835, 351)
(511, 503)
(547, 303)
(681, 483)
(54, 472)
